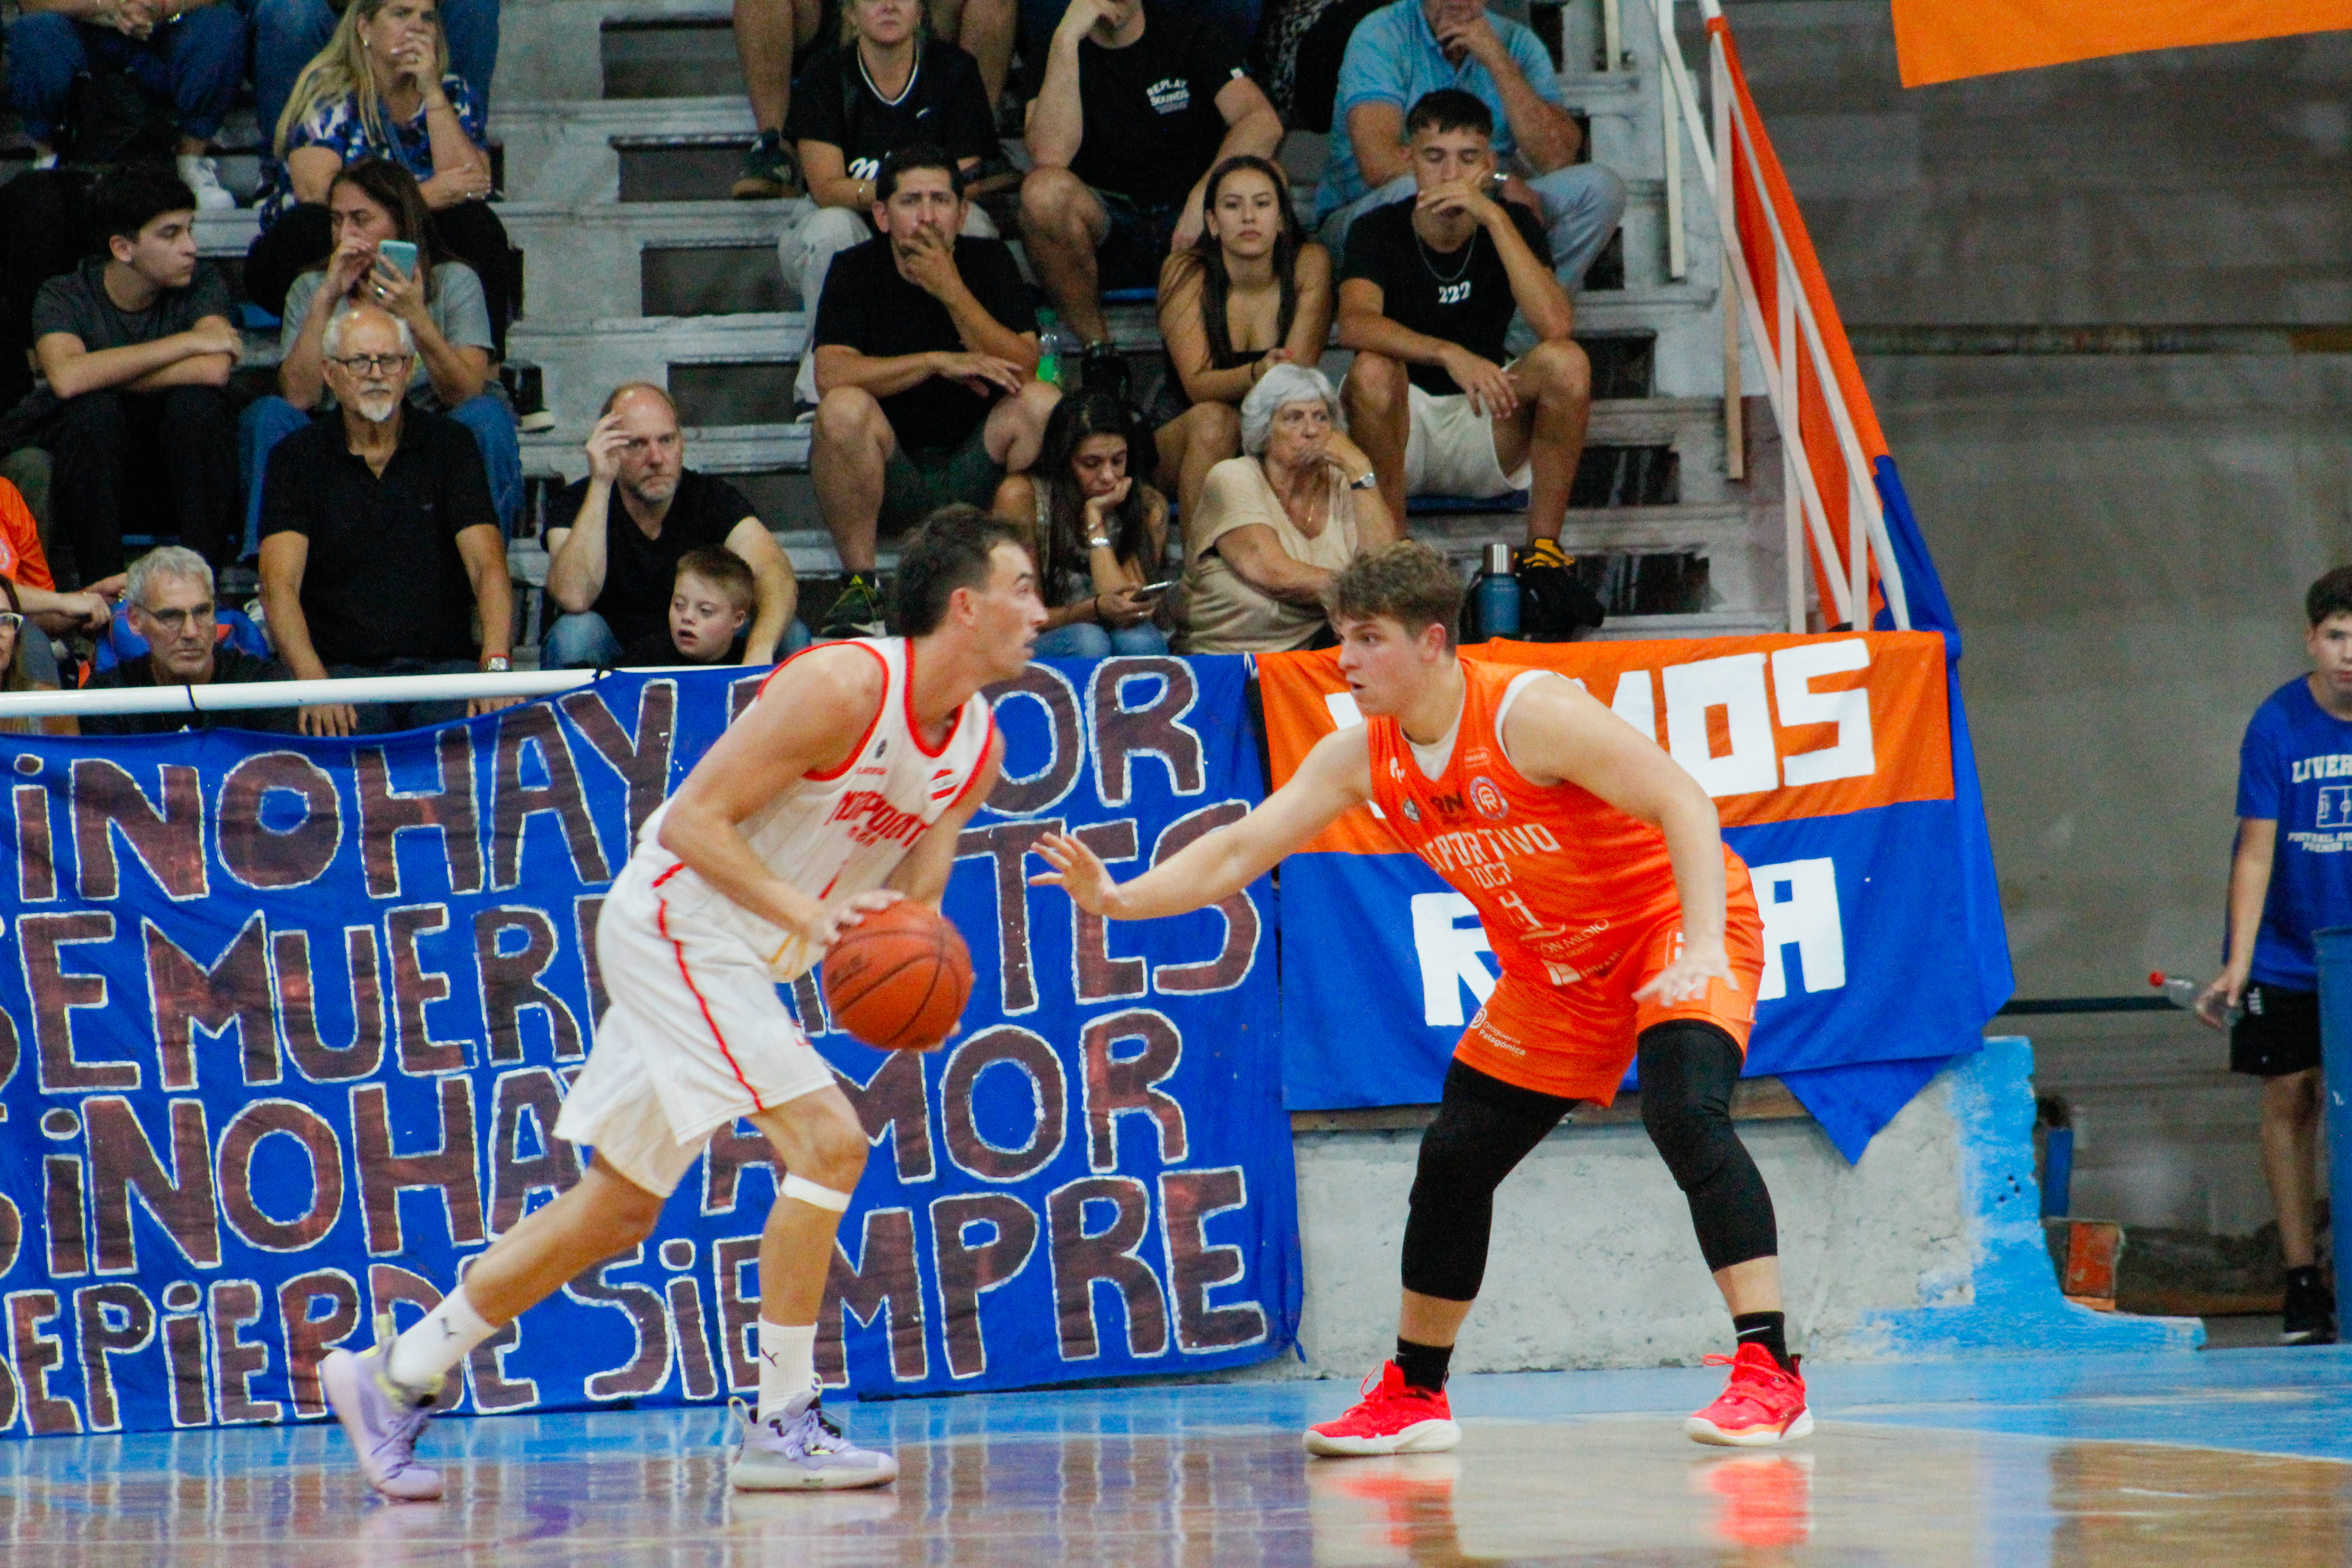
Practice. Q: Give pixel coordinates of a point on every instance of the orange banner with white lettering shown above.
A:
(1943, 40)
(1774, 728)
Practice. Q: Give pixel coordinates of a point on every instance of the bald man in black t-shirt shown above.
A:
(1426, 299)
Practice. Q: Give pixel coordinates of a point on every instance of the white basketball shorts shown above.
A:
(1449, 450)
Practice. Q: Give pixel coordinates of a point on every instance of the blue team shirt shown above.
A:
(1393, 56)
(2294, 768)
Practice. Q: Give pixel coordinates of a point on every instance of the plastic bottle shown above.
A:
(2182, 992)
(1052, 345)
(1498, 594)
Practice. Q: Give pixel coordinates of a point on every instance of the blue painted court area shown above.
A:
(2227, 1457)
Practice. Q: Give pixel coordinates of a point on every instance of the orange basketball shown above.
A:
(898, 980)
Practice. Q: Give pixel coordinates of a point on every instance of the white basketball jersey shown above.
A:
(832, 833)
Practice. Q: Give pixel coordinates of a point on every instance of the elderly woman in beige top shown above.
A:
(1273, 525)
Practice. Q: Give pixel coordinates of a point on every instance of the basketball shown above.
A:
(898, 980)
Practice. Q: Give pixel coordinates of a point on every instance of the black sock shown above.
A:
(1423, 1367)
(1769, 1330)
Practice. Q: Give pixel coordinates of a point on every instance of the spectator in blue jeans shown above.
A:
(288, 32)
(1403, 52)
(1101, 534)
(189, 53)
(370, 203)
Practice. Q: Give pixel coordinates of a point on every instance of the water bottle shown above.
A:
(2182, 992)
(1052, 345)
(1498, 594)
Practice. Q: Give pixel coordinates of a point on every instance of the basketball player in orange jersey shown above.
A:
(1624, 928)
(837, 793)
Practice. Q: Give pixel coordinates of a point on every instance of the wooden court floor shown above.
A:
(2241, 1456)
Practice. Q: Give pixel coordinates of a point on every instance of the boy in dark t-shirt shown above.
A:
(1134, 103)
(2291, 875)
(1426, 296)
(925, 344)
(857, 102)
(709, 610)
(136, 348)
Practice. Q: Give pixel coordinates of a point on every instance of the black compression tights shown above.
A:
(1485, 1127)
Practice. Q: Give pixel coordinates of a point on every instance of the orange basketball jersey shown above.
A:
(1575, 895)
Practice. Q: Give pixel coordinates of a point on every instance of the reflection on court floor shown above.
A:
(2237, 1457)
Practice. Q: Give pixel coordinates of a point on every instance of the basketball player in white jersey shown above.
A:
(839, 791)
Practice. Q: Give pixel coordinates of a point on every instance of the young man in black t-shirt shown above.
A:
(136, 349)
(888, 87)
(1136, 104)
(1427, 297)
(610, 568)
(925, 346)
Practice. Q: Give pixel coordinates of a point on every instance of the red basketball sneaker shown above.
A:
(1393, 1418)
(1762, 1404)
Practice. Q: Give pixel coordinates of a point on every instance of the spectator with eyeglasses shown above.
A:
(379, 545)
(172, 606)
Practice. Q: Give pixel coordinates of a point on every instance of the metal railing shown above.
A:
(213, 698)
(1802, 376)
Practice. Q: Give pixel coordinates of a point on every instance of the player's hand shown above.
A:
(2222, 997)
(328, 718)
(1078, 871)
(832, 919)
(1489, 385)
(1685, 979)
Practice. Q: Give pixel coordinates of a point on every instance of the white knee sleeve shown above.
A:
(816, 1198)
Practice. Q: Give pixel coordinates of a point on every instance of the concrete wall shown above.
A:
(2126, 539)
(1931, 1245)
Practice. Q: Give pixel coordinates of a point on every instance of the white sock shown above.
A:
(440, 1341)
(787, 1363)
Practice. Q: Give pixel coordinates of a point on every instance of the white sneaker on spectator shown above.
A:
(203, 177)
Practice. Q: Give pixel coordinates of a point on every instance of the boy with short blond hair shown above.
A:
(710, 607)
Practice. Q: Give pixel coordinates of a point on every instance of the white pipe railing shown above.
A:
(296, 693)
(1866, 522)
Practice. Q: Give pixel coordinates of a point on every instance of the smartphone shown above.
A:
(399, 254)
(1150, 589)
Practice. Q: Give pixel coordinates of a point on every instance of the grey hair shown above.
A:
(174, 561)
(332, 339)
(1281, 385)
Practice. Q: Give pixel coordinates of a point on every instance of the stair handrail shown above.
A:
(1799, 289)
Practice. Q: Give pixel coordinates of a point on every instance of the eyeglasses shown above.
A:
(175, 620)
(369, 366)
(10, 621)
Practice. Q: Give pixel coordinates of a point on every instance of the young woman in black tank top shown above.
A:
(1253, 293)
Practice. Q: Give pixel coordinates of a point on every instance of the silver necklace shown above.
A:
(1469, 255)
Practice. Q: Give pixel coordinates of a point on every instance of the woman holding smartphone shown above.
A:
(1101, 533)
(383, 256)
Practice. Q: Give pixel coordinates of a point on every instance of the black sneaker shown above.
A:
(1104, 369)
(767, 173)
(527, 390)
(857, 613)
(2310, 1315)
(1555, 604)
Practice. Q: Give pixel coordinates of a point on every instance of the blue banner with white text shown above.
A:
(284, 1026)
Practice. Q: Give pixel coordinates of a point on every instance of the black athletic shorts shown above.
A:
(2277, 1034)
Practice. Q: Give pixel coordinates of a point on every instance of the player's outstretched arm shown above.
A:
(922, 876)
(1557, 733)
(1336, 776)
(807, 720)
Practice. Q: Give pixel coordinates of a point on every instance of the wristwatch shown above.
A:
(497, 664)
(1368, 480)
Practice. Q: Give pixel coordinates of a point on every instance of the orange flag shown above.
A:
(1942, 40)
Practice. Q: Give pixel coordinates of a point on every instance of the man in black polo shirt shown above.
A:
(610, 569)
(857, 102)
(1426, 298)
(1136, 104)
(925, 347)
(379, 545)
